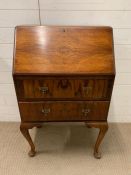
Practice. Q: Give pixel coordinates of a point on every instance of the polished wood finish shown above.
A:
(64, 111)
(63, 50)
(63, 74)
(87, 88)
(103, 129)
(24, 128)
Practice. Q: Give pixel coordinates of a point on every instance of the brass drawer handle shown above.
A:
(45, 111)
(85, 111)
(44, 89)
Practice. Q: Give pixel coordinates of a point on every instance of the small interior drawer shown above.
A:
(88, 89)
(63, 111)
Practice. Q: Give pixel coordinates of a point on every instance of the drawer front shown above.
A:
(88, 89)
(63, 111)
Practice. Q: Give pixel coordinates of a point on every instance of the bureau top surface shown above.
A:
(63, 50)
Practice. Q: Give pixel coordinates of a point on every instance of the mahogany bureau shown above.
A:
(63, 74)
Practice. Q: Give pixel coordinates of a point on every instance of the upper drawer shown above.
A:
(88, 89)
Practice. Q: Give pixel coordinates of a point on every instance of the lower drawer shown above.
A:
(63, 111)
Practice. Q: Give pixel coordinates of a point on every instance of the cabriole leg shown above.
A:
(24, 128)
(103, 126)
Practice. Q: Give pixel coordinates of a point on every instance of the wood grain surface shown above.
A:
(64, 111)
(63, 74)
(63, 50)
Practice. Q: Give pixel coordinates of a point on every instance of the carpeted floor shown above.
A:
(65, 149)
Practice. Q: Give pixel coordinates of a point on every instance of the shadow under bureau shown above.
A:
(63, 74)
